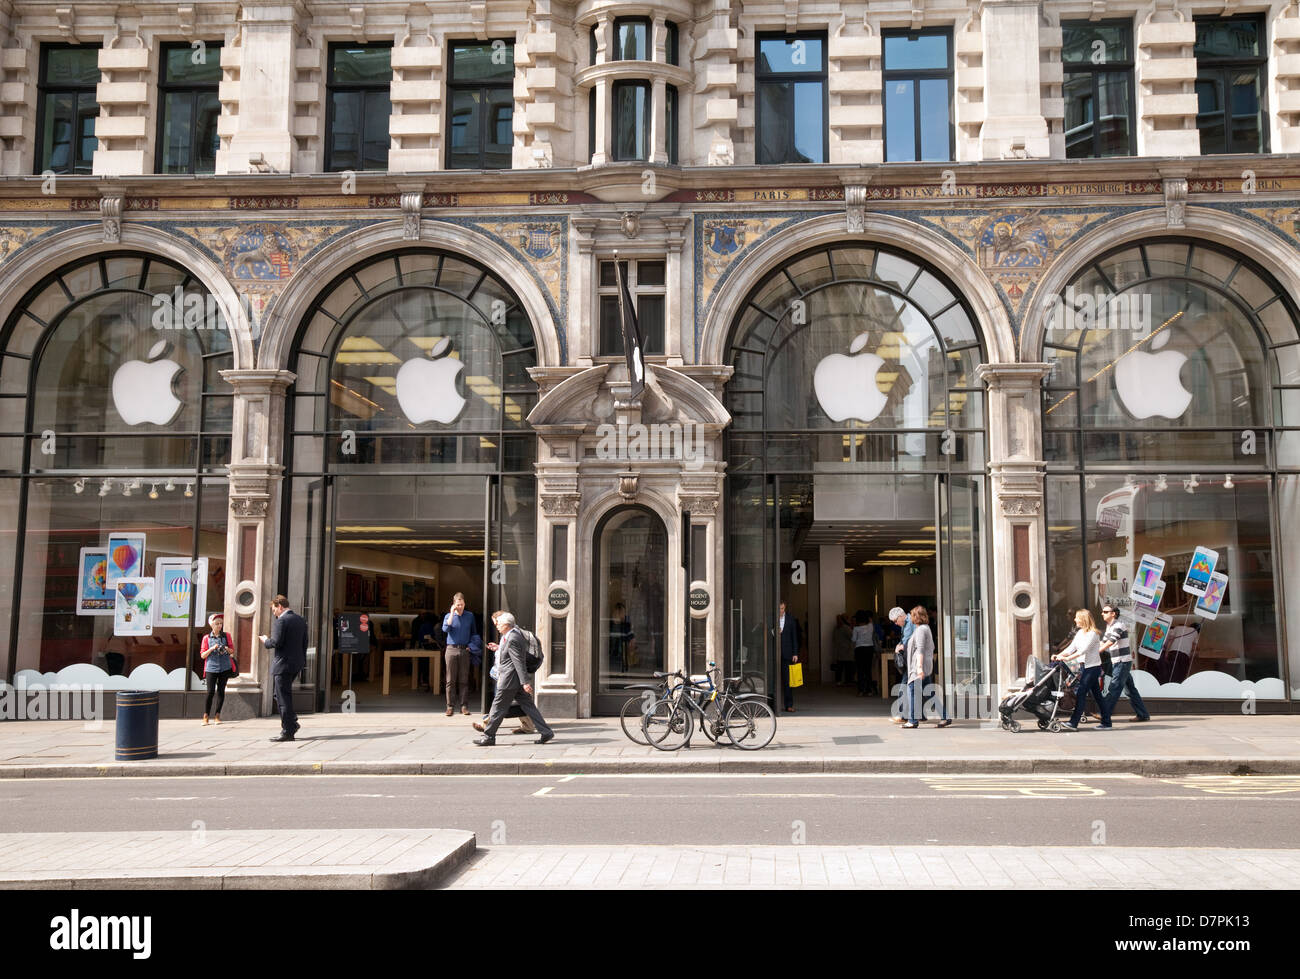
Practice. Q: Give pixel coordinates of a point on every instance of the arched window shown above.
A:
(1170, 424)
(115, 428)
(411, 456)
(856, 454)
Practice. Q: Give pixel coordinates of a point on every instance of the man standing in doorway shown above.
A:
(512, 685)
(1115, 642)
(788, 628)
(459, 626)
(289, 640)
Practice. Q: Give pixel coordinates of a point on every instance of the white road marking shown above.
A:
(543, 791)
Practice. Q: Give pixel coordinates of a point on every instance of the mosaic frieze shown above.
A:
(16, 236)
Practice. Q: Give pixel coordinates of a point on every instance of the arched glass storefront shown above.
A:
(1171, 428)
(411, 458)
(114, 442)
(855, 463)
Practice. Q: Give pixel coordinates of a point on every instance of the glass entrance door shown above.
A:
(631, 612)
(963, 646)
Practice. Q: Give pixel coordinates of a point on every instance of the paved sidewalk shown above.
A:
(878, 867)
(370, 859)
(431, 744)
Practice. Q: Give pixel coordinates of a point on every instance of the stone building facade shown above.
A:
(748, 163)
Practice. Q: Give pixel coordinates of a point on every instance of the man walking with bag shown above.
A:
(512, 675)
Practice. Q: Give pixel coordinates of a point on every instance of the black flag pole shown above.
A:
(631, 333)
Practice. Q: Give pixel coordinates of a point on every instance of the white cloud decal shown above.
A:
(149, 676)
(1208, 685)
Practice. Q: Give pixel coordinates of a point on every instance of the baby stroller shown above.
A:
(1041, 696)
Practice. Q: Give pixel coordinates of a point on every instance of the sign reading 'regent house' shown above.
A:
(558, 598)
(699, 599)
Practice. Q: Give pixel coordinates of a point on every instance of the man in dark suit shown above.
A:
(512, 682)
(289, 640)
(788, 627)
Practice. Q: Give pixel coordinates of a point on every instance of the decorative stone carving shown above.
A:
(1021, 506)
(560, 504)
(411, 204)
(627, 485)
(247, 506)
(1175, 202)
(110, 211)
(700, 506)
(357, 16)
(855, 203)
(631, 223)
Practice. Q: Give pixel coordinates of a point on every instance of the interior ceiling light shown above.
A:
(367, 529)
(105, 486)
(1191, 484)
(907, 553)
(79, 486)
(1227, 482)
(153, 491)
(171, 485)
(189, 488)
(887, 564)
(1162, 483)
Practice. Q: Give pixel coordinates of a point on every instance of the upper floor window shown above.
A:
(66, 108)
(189, 108)
(356, 130)
(1231, 75)
(631, 120)
(917, 78)
(791, 79)
(646, 281)
(481, 89)
(633, 41)
(1098, 87)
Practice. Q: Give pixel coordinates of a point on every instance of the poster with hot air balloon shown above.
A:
(125, 557)
(133, 611)
(93, 594)
(173, 580)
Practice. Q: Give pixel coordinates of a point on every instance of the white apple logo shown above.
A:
(142, 392)
(1148, 384)
(846, 385)
(426, 389)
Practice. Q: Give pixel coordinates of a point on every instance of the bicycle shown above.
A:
(747, 720)
(636, 707)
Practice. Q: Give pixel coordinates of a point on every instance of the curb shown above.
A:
(416, 875)
(675, 765)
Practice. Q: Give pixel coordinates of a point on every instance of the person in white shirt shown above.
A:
(1086, 648)
(864, 651)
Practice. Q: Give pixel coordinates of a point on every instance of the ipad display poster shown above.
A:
(133, 609)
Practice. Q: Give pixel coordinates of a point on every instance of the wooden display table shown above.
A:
(435, 666)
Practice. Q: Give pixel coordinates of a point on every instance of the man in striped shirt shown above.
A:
(1115, 642)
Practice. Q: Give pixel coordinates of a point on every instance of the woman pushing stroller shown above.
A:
(1085, 649)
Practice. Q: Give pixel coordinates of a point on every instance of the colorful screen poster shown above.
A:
(1147, 579)
(1200, 571)
(1153, 640)
(173, 580)
(93, 594)
(1207, 606)
(1146, 614)
(133, 611)
(125, 557)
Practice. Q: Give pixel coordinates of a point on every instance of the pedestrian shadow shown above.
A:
(185, 754)
(858, 739)
(368, 736)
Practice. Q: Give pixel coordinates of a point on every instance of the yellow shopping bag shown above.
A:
(796, 675)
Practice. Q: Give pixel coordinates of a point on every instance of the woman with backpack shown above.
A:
(218, 652)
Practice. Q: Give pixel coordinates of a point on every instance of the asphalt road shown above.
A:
(1221, 811)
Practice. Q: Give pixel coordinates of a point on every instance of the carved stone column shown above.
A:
(1019, 557)
(252, 540)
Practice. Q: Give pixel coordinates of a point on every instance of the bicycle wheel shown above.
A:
(751, 724)
(667, 725)
(711, 723)
(630, 718)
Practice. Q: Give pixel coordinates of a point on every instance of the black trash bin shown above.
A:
(137, 724)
